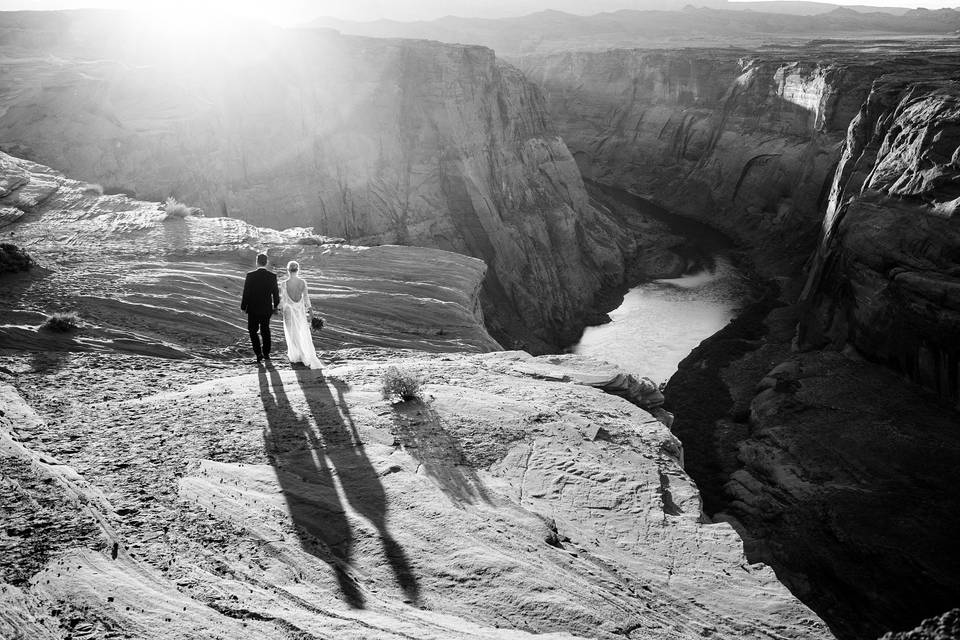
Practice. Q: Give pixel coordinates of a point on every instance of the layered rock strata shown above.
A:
(745, 142)
(760, 145)
(158, 487)
(375, 141)
(886, 278)
(144, 282)
(806, 453)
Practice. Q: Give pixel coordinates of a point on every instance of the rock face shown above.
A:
(156, 486)
(145, 283)
(806, 454)
(746, 142)
(886, 278)
(376, 141)
(942, 628)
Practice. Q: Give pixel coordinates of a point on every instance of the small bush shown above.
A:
(398, 383)
(176, 209)
(62, 322)
(13, 259)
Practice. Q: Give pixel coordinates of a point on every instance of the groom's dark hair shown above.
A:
(262, 259)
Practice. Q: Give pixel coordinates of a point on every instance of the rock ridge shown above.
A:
(159, 486)
(375, 141)
(886, 276)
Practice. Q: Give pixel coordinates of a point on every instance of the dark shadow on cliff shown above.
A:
(421, 433)
(308, 455)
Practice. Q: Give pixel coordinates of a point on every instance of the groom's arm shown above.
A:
(275, 293)
(246, 292)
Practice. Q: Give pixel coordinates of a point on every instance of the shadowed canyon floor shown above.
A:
(157, 486)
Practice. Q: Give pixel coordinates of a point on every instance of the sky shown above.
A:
(291, 12)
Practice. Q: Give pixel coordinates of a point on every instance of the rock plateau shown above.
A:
(375, 141)
(156, 487)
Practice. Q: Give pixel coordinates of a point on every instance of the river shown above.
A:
(660, 322)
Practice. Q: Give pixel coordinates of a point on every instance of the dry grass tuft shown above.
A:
(176, 209)
(400, 385)
(62, 322)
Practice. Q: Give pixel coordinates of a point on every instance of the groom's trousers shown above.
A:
(259, 326)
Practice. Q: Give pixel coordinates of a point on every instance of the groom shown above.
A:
(261, 297)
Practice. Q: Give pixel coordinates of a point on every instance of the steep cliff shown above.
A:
(886, 278)
(376, 141)
(157, 486)
(148, 283)
(746, 142)
(806, 454)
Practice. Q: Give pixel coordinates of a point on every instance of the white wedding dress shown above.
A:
(296, 328)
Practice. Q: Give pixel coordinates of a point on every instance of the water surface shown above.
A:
(660, 322)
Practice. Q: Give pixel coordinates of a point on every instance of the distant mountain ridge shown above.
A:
(749, 23)
(498, 10)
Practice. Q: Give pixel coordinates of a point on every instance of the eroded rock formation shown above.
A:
(155, 486)
(886, 278)
(745, 142)
(143, 282)
(376, 141)
(805, 454)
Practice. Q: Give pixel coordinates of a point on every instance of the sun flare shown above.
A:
(207, 14)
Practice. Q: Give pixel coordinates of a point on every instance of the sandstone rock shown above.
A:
(942, 628)
(162, 487)
(886, 278)
(743, 141)
(259, 502)
(377, 141)
(172, 287)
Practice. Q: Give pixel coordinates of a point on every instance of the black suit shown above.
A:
(261, 297)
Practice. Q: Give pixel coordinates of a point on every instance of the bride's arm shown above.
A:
(306, 298)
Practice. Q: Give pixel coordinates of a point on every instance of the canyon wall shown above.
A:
(835, 471)
(742, 141)
(886, 278)
(376, 141)
(159, 485)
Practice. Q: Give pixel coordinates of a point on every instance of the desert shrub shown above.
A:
(175, 209)
(62, 322)
(13, 259)
(400, 384)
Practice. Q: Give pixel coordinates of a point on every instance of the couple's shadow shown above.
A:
(311, 458)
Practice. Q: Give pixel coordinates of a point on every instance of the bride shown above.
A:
(296, 309)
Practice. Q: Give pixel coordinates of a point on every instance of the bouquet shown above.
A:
(316, 323)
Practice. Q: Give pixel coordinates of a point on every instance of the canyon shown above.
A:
(157, 486)
(380, 142)
(820, 425)
(847, 164)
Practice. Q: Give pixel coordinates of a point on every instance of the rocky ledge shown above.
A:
(375, 141)
(156, 486)
(886, 278)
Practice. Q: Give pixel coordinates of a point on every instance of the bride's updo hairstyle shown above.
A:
(293, 266)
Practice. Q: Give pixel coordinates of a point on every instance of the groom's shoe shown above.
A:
(267, 361)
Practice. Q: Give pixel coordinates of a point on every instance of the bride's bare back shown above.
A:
(295, 288)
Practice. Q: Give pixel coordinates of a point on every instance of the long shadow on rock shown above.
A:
(319, 452)
(296, 450)
(420, 431)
